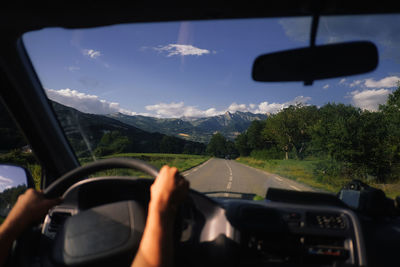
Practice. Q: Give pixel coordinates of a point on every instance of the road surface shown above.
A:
(232, 179)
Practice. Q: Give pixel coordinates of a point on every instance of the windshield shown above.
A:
(181, 93)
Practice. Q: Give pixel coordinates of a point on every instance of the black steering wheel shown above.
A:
(105, 234)
(57, 188)
(108, 231)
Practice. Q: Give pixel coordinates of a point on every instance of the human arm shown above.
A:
(156, 246)
(29, 208)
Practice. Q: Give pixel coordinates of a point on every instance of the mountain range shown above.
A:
(193, 129)
(88, 133)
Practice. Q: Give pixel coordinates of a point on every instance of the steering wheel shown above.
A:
(57, 188)
(106, 234)
(108, 231)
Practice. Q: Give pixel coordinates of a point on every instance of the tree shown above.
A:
(170, 144)
(217, 146)
(290, 129)
(112, 143)
(254, 137)
(374, 145)
(335, 132)
(241, 145)
(391, 112)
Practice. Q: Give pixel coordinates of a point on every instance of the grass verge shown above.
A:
(181, 161)
(303, 171)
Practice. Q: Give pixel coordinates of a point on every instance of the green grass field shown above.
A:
(303, 171)
(182, 161)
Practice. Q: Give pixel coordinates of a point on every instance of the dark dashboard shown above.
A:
(236, 232)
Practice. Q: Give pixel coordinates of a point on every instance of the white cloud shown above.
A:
(85, 102)
(91, 53)
(342, 81)
(297, 28)
(5, 183)
(182, 50)
(326, 86)
(177, 110)
(5, 180)
(370, 99)
(266, 107)
(237, 107)
(387, 82)
(94, 105)
(355, 83)
(73, 68)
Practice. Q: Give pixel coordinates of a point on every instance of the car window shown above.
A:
(181, 93)
(14, 150)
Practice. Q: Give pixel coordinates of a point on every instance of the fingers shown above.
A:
(169, 180)
(49, 203)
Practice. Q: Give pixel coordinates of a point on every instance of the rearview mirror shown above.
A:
(315, 63)
(14, 181)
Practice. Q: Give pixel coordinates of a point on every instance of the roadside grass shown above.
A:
(303, 171)
(391, 190)
(181, 161)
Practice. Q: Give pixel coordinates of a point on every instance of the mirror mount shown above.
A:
(313, 37)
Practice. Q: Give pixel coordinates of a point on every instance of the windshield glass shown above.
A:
(181, 93)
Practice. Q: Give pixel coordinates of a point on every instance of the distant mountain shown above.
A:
(194, 129)
(88, 132)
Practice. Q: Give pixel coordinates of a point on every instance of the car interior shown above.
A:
(101, 219)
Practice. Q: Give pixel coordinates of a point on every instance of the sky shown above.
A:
(203, 68)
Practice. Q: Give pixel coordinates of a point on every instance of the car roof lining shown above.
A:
(86, 14)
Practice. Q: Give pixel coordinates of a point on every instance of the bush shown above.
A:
(327, 168)
(265, 154)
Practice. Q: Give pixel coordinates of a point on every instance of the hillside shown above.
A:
(89, 133)
(194, 129)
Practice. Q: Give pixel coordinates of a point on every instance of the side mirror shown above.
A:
(14, 180)
(366, 199)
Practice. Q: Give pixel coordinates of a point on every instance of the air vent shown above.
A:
(57, 220)
(331, 221)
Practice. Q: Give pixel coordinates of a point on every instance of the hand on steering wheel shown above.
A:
(168, 191)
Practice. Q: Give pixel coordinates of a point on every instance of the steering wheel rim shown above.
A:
(58, 187)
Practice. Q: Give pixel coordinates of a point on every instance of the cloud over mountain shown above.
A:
(94, 104)
(85, 102)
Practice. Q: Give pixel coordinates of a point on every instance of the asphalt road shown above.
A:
(229, 178)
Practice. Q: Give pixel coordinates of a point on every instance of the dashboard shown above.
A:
(226, 231)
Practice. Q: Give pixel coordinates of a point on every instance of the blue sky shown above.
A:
(203, 68)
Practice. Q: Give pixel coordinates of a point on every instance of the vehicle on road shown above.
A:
(88, 89)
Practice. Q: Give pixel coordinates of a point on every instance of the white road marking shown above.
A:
(281, 180)
(294, 187)
(189, 172)
(229, 185)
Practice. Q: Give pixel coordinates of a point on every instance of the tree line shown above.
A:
(115, 142)
(353, 142)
